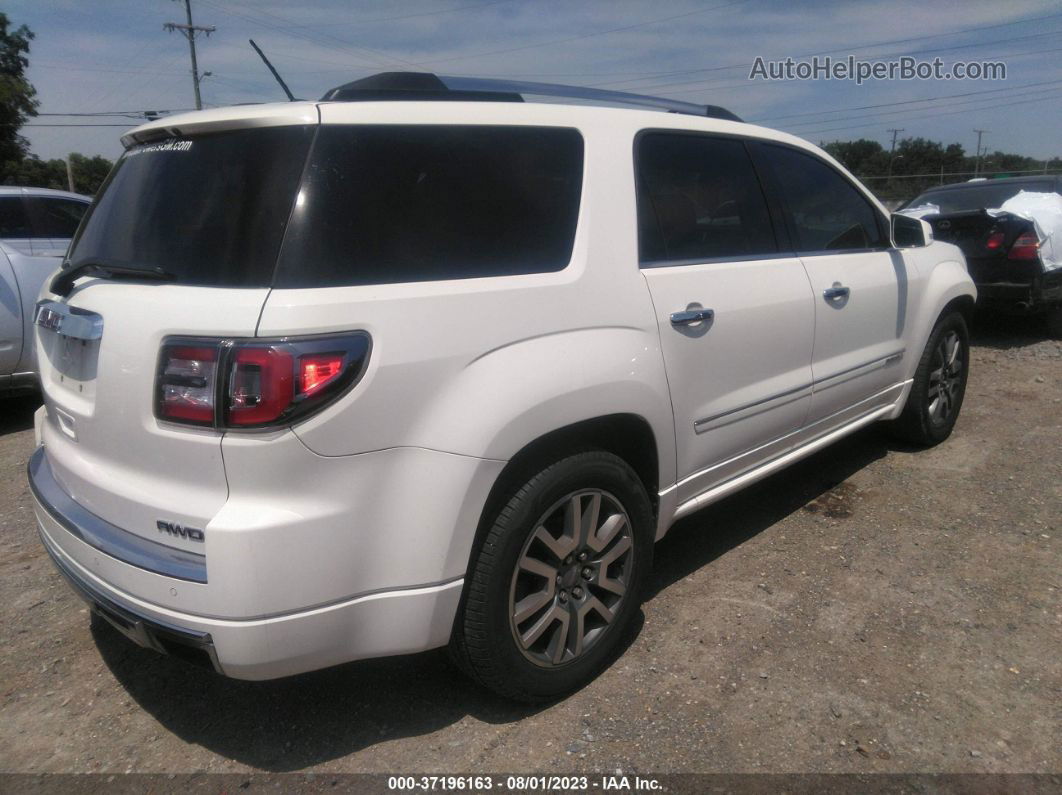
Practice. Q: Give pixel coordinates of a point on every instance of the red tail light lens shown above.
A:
(1025, 247)
(263, 383)
(187, 383)
(316, 371)
(260, 387)
(995, 241)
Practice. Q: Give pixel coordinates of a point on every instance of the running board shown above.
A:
(736, 484)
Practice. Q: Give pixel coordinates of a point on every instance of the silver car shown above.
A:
(36, 225)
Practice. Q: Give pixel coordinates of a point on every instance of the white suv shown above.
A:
(384, 373)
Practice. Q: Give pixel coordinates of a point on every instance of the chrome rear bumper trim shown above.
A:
(106, 537)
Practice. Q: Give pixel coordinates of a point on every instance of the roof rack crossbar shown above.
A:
(420, 85)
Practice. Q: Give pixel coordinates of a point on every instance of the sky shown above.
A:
(114, 56)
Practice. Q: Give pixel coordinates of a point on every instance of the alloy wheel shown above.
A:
(946, 377)
(572, 574)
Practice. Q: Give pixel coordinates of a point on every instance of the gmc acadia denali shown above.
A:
(424, 364)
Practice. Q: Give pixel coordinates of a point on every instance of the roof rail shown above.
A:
(427, 86)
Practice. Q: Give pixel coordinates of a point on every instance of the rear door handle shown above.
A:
(836, 292)
(689, 316)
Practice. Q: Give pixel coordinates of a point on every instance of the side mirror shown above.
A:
(908, 232)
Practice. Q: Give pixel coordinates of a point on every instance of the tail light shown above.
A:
(255, 383)
(995, 241)
(1026, 247)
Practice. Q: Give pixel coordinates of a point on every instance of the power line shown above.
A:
(412, 16)
(901, 115)
(583, 36)
(895, 53)
(806, 133)
(287, 29)
(905, 102)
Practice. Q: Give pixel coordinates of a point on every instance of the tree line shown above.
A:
(918, 164)
(18, 103)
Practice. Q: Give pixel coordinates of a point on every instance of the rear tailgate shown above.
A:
(105, 446)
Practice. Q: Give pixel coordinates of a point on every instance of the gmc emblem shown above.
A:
(179, 530)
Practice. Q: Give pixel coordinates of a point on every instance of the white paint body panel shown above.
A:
(349, 534)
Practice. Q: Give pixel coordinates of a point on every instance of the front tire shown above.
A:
(556, 583)
(939, 385)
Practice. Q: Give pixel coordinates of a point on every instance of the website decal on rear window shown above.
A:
(171, 145)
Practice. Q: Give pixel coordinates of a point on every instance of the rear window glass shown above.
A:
(976, 197)
(210, 209)
(409, 203)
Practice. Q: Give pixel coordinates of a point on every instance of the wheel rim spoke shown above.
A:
(531, 604)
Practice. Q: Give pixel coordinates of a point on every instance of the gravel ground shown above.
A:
(873, 609)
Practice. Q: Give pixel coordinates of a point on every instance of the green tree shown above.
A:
(864, 158)
(17, 97)
(89, 172)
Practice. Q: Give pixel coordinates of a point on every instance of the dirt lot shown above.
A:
(873, 609)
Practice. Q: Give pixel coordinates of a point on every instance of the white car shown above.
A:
(381, 373)
(36, 225)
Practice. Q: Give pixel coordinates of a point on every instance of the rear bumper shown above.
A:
(195, 647)
(138, 594)
(1020, 295)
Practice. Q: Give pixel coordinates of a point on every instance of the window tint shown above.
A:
(827, 211)
(55, 217)
(699, 198)
(14, 222)
(208, 209)
(405, 203)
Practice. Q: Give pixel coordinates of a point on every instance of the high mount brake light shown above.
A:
(255, 383)
(1026, 247)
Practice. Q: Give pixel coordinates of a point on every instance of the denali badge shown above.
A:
(175, 529)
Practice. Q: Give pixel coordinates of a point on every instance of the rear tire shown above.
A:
(557, 581)
(939, 385)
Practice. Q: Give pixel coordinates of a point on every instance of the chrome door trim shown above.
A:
(699, 425)
(851, 373)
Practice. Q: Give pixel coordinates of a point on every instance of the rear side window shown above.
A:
(410, 203)
(209, 209)
(827, 212)
(14, 222)
(699, 199)
(57, 218)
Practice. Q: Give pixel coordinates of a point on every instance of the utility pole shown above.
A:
(70, 173)
(189, 31)
(892, 149)
(977, 161)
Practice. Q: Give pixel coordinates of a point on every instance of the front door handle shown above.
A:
(836, 293)
(690, 316)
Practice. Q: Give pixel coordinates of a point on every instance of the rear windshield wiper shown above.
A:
(63, 282)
